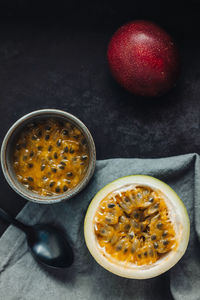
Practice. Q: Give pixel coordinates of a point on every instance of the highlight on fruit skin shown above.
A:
(143, 58)
(137, 227)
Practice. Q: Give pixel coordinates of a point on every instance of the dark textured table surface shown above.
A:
(54, 56)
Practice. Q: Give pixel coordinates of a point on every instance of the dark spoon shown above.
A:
(47, 244)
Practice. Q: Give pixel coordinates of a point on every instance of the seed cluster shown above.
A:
(133, 225)
(50, 157)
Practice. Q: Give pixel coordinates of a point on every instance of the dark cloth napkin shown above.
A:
(22, 278)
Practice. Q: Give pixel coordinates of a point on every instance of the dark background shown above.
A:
(53, 55)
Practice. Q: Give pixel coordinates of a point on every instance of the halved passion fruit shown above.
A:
(137, 227)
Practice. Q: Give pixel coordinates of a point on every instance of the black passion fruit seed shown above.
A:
(61, 167)
(57, 190)
(111, 205)
(42, 167)
(69, 174)
(30, 165)
(34, 137)
(84, 157)
(153, 237)
(47, 127)
(30, 179)
(18, 147)
(83, 141)
(52, 183)
(39, 133)
(31, 154)
(55, 155)
(47, 136)
(65, 188)
(165, 233)
(155, 245)
(127, 199)
(159, 225)
(59, 143)
(165, 242)
(66, 149)
(65, 132)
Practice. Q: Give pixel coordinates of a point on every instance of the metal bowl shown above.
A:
(7, 153)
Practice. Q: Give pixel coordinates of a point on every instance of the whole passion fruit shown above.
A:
(143, 58)
(137, 227)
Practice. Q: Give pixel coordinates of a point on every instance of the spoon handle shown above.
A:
(6, 217)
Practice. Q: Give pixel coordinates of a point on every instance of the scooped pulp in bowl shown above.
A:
(50, 157)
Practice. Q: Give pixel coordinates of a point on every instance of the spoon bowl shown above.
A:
(47, 244)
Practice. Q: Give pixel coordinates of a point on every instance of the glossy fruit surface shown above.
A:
(143, 58)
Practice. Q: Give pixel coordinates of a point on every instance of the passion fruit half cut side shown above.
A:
(137, 227)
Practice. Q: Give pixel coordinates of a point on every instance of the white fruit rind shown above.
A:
(178, 215)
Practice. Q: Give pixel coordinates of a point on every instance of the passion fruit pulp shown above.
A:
(137, 227)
